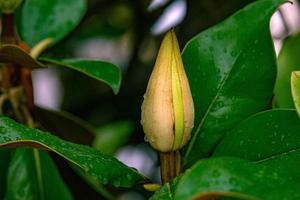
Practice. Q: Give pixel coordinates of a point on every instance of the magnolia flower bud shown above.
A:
(168, 108)
(9, 6)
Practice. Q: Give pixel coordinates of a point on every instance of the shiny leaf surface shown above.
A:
(34, 176)
(262, 135)
(231, 69)
(99, 70)
(38, 20)
(275, 178)
(104, 168)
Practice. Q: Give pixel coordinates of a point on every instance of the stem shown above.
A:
(170, 165)
(8, 35)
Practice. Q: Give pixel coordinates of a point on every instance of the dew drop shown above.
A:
(152, 139)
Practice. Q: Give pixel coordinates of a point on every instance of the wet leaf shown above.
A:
(275, 178)
(262, 135)
(231, 69)
(106, 169)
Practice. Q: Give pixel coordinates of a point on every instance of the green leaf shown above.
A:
(104, 168)
(16, 55)
(288, 61)
(38, 20)
(276, 178)
(295, 85)
(262, 135)
(65, 125)
(5, 155)
(99, 70)
(112, 136)
(166, 192)
(231, 69)
(34, 176)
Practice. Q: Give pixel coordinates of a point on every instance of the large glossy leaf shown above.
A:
(99, 70)
(104, 168)
(65, 125)
(295, 85)
(276, 178)
(5, 155)
(288, 61)
(32, 175)
(38, 20)
(262, 135)
(231, 69)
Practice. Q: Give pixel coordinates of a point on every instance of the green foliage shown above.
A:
(262, 135)
(231, 69)
(38, 20)
(103, 167)
(33, 175)
(240, 148)
(273, 178)
(103, 71)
